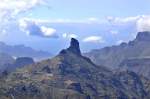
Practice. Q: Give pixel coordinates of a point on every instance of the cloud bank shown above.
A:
(12, 10)
(69, 35)
(142, 22)
(33, 28)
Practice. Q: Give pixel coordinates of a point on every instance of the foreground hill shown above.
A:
(70, 75)
(113, 56)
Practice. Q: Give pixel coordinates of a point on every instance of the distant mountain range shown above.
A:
(69, 75)
(113, 56)
(23, 51)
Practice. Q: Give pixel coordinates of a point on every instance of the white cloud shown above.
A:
(94, 39)
(69, 35)
(23, 24)
(93, 19)
(33, 28)
(11, 8)
(142, 22)
(120, 41)
(119, 20)
(60, 20)
(114, 32)
(48, 32)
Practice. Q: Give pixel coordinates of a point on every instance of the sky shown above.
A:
(49, 24)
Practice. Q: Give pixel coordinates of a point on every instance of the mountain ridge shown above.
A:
(23, 51)
(112, 56)
(70, 75)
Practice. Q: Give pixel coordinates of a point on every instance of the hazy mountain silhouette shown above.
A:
(23, 51)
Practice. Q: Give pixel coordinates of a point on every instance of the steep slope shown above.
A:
(114, 55)
(70, 75)
(22, 51)
(140, 66)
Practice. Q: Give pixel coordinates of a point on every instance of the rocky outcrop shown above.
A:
(74, 47)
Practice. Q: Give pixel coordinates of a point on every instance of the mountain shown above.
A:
(10, 66)
(113, 56)
(23, 51)
(70, 75)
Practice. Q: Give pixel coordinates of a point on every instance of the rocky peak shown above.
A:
(74, 47)
(143, 36)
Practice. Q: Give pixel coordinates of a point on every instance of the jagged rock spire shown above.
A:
(74, 47)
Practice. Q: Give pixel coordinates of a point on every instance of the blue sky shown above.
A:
(49, 24)
(80, 9)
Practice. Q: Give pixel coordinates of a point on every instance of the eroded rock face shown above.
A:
(74, 47)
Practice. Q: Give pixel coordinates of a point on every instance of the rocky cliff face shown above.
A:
(70, 75)
(74, 47)
(112, 56)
